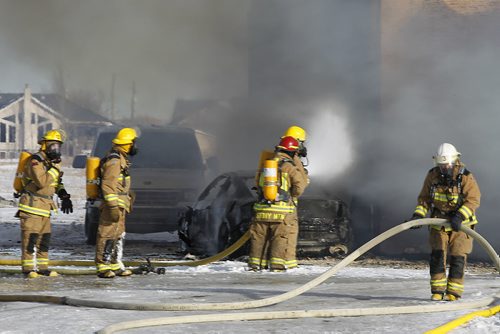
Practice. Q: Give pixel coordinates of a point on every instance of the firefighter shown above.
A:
(274, 227)
(117, 201)
(42, 178)
(450, 191)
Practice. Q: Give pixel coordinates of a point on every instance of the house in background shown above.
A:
(25, 117)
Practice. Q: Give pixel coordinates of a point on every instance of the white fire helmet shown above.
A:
(446, 154)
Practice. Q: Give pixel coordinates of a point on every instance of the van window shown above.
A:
(103, 144)
(157, 149)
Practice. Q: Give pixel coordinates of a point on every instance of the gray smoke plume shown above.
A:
(170, 49)
(402, 85)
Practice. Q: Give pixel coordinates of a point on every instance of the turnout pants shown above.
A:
(109, 243)
(273, 244)
(458, 245)
(35, 242)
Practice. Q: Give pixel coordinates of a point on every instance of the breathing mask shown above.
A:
(53, 151)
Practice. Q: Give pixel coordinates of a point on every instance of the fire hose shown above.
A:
(275, 299)
(463, 319)
(85, 263)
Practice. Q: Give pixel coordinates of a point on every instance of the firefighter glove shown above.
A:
(66, 203)
(62, 193)
(455, 222)
(415, 217)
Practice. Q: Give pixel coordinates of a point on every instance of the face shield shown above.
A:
(53, 150)
(446, 169)
(133, 148)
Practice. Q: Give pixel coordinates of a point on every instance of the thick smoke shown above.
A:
(406, 83)
(170, 49)
(440, 80)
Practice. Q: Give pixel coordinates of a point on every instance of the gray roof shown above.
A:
(69, 110)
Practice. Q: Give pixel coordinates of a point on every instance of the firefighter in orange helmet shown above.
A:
(450, 191)
(274, 227)
(42, 178)
(117, 202)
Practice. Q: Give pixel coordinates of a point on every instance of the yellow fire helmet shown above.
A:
(125, 136)
(296, 132)
(53, 135)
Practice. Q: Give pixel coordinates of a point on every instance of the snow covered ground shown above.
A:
(353, 287)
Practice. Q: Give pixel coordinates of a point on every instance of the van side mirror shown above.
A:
(79, 161)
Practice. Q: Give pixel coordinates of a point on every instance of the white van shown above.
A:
(171, 167)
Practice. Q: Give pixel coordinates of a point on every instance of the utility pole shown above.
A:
(112, 111)
(132, 102)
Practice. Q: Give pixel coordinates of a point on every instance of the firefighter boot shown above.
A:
(50, 273)
(106, 274)
(451, 298)
(31, 274)
(122, 272)
(437, 296)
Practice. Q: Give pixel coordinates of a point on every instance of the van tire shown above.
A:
(91, 224)
(91, 234)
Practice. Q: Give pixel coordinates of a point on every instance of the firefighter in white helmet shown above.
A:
(274, 228)
(117, 202)
(42, 179)
(450, 191)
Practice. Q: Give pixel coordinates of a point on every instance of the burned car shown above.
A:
(223, 211)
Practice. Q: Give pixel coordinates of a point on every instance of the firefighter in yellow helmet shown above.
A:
(274, 227)
(117, 202)
(42, 178)
(450, 191)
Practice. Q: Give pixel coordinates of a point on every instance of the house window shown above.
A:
(12, 134)
(2, 155)
(3, 133)
(33, 118)
(44, 128)
(41, 132)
